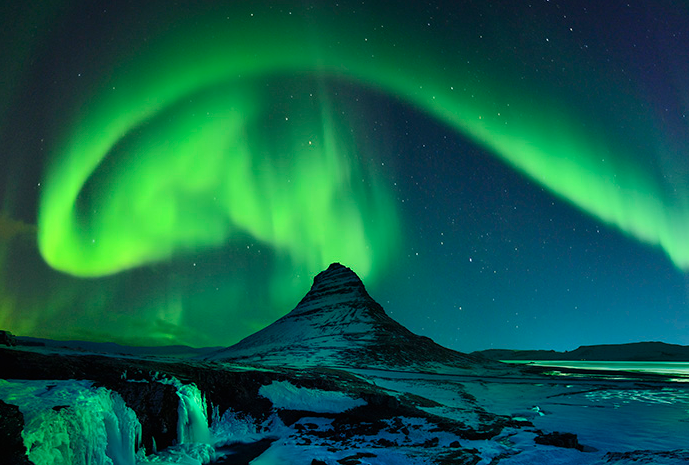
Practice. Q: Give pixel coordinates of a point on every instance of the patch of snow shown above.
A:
(285, 395)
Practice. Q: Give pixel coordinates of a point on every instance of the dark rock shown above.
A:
(455, 444)
(459, 457)
(386, 443)
(7, 338)
(354, 459)
(318, 462)
(241, 453)
(11, 442)
(557, 439)
(290, 417)
(433, 442)
(155, 405)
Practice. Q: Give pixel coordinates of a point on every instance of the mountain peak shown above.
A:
(338, 287)
(335, 276)
(337, 323)
(337, 272)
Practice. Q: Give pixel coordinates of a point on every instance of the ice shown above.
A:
(70, 422)
(233, 427)
(182, 454)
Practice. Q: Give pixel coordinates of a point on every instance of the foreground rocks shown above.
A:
(385, 421)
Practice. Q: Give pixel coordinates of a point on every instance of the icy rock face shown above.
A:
(72, 422)
(337, 323)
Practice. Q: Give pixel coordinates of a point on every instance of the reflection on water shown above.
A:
(665, 368)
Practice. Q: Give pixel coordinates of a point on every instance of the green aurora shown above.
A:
(211, 158)
(187, 143)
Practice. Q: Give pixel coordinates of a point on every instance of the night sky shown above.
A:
(500, 174)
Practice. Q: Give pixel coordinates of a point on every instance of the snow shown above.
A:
(73, 422)
(607, 415)
(285, 395)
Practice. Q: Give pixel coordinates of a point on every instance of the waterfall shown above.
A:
(192, 422)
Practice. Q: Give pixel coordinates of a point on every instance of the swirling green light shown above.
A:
(195, 181)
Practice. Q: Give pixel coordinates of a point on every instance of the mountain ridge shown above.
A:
(648, 351)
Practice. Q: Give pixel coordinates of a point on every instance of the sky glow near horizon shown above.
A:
(229, 130)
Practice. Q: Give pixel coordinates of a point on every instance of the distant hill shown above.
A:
(177, 351)
(632, 352)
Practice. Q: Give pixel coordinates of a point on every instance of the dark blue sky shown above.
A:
(496, 261)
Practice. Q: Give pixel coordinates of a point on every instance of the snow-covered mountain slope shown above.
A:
(338, 324)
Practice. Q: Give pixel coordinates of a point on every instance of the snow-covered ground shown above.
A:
(618, 415)
(75, 422)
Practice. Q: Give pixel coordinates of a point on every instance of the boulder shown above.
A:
(557, 439)
(11, 442)
(7, 338)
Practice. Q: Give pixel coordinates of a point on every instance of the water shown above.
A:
(680, 369)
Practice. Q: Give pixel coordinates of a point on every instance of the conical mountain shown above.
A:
(338, 324)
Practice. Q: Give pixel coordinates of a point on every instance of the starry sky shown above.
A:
(500, 174)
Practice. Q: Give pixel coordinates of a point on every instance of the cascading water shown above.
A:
(192, 425)
(193, 434)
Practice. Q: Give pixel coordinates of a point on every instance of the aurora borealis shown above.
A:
(189, 169)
